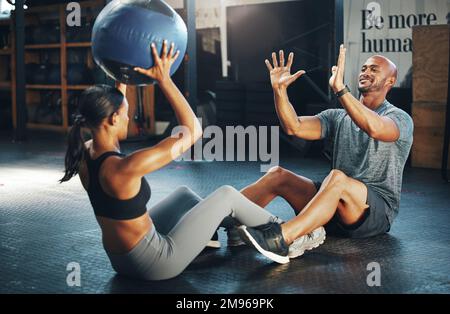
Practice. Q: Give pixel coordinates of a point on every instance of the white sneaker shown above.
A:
(307, 242)
(214, 243)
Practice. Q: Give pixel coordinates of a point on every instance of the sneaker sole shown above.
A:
(213, 244)
(319, 242)
(235, 243)
(250, 241)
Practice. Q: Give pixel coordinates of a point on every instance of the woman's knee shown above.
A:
(226, 191)
(185, 191)
(225, 195)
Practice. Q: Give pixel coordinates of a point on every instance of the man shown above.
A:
(360, 196)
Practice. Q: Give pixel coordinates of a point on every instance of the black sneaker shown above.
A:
(268, 240)
(233, 237)
(214, 243)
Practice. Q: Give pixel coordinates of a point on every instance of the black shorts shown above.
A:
(373, 222)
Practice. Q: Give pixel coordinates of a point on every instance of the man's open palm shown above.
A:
(280, 73)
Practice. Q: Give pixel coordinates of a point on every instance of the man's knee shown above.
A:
(345, 186)
(338, 178)
(276, 175)
(275, 170)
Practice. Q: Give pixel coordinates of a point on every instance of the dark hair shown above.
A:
(94, 105)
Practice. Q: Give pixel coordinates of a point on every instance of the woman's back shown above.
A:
(119, 203)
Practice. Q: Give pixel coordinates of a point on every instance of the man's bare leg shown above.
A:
(295, 189)
(338, 192)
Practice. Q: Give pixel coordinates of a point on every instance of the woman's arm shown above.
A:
(150, 159)
(122, 88)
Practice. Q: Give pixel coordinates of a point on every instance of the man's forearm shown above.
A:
(366, 119)
(285, 111)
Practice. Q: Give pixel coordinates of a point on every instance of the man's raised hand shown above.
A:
(280, 73)
(337, 77)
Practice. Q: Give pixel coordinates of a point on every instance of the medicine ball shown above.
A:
(123, 32)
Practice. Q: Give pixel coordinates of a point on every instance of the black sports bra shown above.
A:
(111, 207)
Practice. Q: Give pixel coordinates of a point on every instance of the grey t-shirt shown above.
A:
(377, 164)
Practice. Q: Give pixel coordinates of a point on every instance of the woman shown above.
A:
(159, 244)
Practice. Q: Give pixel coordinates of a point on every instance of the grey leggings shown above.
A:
(183, 225)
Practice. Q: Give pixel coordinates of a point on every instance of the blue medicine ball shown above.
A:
(122, 34)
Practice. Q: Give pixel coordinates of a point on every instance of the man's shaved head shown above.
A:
(377, 74)
(387, 64)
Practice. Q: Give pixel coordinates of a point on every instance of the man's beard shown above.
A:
(365, 89)
(370, 88)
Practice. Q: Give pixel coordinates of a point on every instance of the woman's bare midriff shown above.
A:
(121, 236)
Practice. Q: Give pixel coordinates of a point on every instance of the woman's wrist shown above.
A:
(165, 83)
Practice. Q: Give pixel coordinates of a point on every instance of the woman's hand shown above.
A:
(121, 87)
(161, 69)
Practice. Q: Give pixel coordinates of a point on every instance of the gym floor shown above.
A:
(45, 225)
